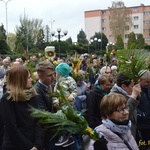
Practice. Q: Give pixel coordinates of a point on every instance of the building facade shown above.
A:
(98, 21)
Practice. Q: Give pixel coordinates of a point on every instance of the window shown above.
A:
(147, 39)
(126, 36)
(135, 18)
(146, 21)
(104, 28)
(127, 19)
(103, 12)
(135, 9)
(136, 35)
(145, 30)
(126, 28)
(110, 36)
(135, 26)
(103, 20)
(147, 13)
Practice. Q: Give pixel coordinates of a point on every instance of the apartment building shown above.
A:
(98, 21)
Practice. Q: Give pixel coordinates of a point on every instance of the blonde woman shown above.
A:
(22, 132)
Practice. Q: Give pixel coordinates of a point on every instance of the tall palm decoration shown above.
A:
(66, 118)
(133, 63)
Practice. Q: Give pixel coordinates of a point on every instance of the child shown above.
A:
(70, 90)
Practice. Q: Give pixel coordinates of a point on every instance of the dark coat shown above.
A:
(43, 98)
(143, 110)
(22, 132)
(93, 107)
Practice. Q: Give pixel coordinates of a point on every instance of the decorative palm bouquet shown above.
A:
(133, 63)
(66, 118)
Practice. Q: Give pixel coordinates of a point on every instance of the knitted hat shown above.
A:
(63, 69)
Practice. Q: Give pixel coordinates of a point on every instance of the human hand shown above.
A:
(34, 148)
(70, 98)
(136, 91)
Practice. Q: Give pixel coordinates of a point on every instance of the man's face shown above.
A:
(6, 63)
(145, 82)
(47, 77)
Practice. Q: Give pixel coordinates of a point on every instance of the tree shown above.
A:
(120, 18)
(2, 32)
(132, 44)
(47, 34)
(140, 41)
(102, 44)
(81, 38)
(4, 47)
(11, 41)
(69, 40)
(119, 43)
(40, 40)
(27, 33)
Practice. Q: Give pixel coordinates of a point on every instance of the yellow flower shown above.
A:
(88, 129)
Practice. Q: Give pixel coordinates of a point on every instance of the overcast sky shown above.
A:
(67, 14)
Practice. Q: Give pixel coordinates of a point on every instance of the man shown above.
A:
(46, 74)
(5, 67)
(143, 110)
(126, 87)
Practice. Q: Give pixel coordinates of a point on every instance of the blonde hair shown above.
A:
(17, 82)
(111, 103)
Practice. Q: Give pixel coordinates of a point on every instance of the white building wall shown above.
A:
(92, 25)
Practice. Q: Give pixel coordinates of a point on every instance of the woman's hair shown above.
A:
(111, 103)
(17, 82)
(103, 78)
(122, 79)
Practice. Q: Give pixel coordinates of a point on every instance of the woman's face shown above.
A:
(121, 114)
(29, 82)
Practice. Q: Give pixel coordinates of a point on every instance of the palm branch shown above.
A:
(65, 119)
(131, 62)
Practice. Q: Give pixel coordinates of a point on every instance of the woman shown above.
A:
(22, 132)
(115, 127)
(94, 98)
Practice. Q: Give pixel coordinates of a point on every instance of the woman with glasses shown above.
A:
(115, 127)
(127, 87)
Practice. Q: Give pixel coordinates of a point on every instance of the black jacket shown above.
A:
(22, 132)
(43, 97)
(93, 107)
(143, 109)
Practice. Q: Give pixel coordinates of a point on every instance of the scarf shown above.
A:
(121, 90)
(29, 93)
(102, 91)
(121, 129)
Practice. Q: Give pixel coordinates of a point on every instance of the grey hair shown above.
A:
(146, 74)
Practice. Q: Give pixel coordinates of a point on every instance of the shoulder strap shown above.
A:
(125, 142)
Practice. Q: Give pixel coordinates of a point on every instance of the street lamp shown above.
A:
(6, 2)
(59, 36)
(95, 40)
(110, 45)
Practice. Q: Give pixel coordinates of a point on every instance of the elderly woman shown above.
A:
(115, 127)
(22, 132)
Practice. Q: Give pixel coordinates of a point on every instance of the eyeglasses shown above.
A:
(122, 110)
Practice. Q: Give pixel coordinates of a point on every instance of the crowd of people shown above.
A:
(112, 103)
